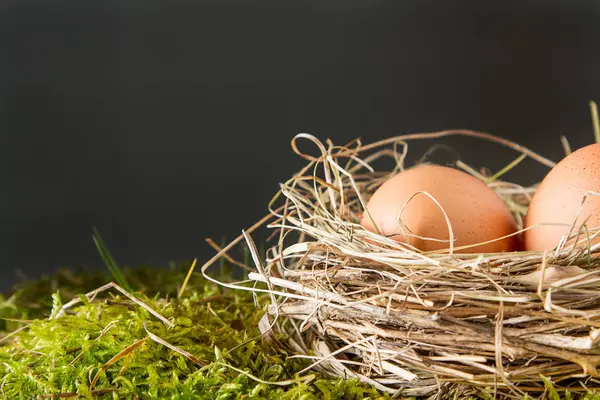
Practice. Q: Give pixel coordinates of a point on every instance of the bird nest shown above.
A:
(412, 323)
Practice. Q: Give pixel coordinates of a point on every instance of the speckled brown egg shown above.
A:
(476, 212)
(559, 196)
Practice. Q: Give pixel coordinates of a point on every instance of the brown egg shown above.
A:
(559, 196)
(476, 212)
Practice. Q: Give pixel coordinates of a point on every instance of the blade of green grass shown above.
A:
(595, 123)
(510, 166)
(109, 261)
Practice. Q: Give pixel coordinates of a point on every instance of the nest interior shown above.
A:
(411, 323)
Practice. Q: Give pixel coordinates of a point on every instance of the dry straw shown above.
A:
(358, 304)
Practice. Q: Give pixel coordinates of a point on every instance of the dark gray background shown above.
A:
(164, 122)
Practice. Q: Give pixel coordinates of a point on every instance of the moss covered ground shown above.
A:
(112, 348)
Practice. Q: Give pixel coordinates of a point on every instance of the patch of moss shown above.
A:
(103, 349)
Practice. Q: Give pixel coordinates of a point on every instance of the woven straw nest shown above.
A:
(423, 324)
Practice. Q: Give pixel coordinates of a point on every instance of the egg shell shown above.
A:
(559, 196)
(476, 212)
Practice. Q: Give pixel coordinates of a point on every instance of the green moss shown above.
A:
(102, 349)
(72, 356)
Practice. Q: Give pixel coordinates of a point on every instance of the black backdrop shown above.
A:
(164, 122)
